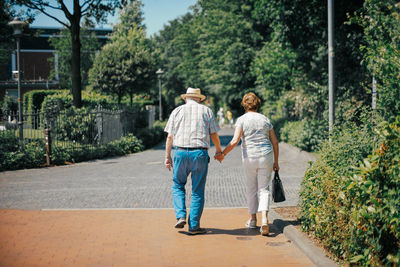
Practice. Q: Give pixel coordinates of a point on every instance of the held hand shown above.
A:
(168, 163)
(276, 166)
(219, 156)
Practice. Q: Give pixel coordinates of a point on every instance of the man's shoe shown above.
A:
(251, 224)
(180, 223)
(197, 231)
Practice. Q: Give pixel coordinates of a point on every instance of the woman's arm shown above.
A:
(235, 140)
(275, 145)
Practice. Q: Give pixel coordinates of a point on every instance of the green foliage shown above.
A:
(125, 66)
(62, 46)
(9, 105)
(380, 20)
(305, 134)
(153, 136)
(78, 125)
(13, 155)
(30, 155)
(274, 69)
(126, 145)
(6, 40)
(33, 99)
(350, 195)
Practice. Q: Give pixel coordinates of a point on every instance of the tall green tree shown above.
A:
(6, 39)
(73, 14)
(126, 64)
(302, 26)
(62, 46)
(176, 48)
(380, 20)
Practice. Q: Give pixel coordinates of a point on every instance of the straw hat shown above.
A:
(193, 92)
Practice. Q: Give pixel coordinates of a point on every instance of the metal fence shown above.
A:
(74, 130)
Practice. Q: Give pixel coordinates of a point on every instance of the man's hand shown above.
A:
(219, 156)
(168, 163)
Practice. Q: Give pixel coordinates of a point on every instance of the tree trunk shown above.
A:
(76, 63)
(131, 98)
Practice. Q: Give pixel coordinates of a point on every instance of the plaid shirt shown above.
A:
(191, 125)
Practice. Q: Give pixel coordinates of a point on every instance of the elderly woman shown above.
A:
(260, 152)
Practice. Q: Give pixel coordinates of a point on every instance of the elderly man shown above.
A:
(189, 129)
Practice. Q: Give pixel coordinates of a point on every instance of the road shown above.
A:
(139, 181)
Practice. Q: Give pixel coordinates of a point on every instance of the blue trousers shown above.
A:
(196, 163)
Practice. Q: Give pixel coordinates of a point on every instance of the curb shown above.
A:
(314, 253)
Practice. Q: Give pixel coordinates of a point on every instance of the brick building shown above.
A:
(35, 66)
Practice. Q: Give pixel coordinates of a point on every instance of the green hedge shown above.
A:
(31, 155)
(32, 101)
(13, 157)
(153, 136)
(305, 134)
(350, 196)
(126, 145)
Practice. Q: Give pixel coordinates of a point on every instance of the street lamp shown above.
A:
(159, 73)
(17, 26)
(331, 66)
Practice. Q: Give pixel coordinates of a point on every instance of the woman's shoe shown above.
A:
(264, 229)
(251, 224)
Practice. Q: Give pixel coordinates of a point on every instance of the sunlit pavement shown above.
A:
(116, 212)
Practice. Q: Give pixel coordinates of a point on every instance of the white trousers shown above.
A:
(258, 175)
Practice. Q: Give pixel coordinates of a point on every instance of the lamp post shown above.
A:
(159, 72)
(331, 66)
(17, 26)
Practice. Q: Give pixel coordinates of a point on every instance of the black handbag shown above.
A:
(278, 194)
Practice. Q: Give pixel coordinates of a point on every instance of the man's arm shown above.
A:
(217, 144)
(168, 148)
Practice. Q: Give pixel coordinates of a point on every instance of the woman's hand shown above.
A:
(276, 166)
(219, 156)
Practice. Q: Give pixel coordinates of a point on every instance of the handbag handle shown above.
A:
(276, 175)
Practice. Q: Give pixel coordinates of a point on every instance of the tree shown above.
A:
(380, 20)
(125, 65)
(62, 46)
(89, 9)
(176, 48)
(5, 36)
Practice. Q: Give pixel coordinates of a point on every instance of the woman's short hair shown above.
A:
(251, 102)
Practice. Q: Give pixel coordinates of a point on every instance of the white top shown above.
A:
(191, 125)
(255, 138)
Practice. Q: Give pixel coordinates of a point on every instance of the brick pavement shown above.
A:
(138, 181)
(138, 238)
(141, 234)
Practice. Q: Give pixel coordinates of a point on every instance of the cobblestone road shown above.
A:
(138, 181)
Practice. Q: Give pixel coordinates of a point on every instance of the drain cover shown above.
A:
(276, 244)
(243, 238)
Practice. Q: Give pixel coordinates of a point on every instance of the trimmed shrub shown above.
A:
(351, 198)
(33, 99)
(305, 134)
(153, 136)
(13, 156)
(126, 145)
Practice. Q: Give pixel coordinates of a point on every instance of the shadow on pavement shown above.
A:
(241, 233)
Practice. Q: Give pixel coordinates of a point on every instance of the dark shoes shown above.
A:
(197, 231)
(180, 223)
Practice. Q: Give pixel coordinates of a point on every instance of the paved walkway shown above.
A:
(116, 212)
